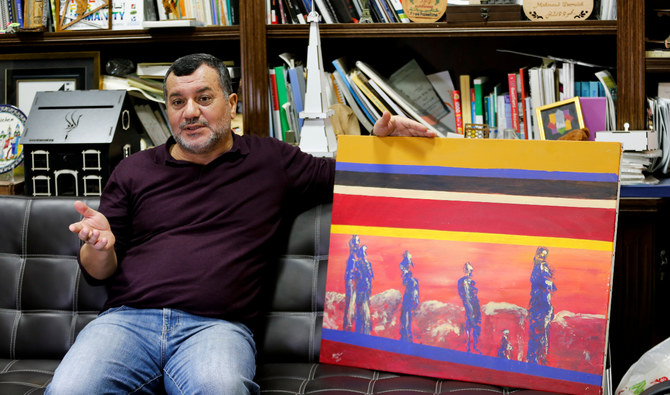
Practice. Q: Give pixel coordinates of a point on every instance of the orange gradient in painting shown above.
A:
(501, 271)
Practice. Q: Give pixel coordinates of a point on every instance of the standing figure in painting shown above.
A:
(473, 314)
(363, 277)
(410, 299)
(349, 282)
(505, 349)
(541, 311)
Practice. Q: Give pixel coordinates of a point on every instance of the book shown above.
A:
(343, 10)
(276, 117)
(514, 101)
(400, 11)
(444, 87)
(296, 77)
(411, 82)
(525, 104)
(478, 87)
(396, 109)
(342, 70)
(458, 115)
(282, 98)
(367, 91)
(412, 111)
(325, 11)
(609, 83)
(466, 103)
(150, 123)
(353, 104)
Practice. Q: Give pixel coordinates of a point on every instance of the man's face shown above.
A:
(199, 114)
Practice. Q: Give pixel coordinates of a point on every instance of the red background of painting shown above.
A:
(502, 272)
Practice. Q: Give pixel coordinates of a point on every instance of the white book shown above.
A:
(412, 111)
(396, 108)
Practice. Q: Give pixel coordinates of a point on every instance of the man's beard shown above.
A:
(208, 146)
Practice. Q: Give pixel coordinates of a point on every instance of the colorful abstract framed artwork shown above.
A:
(474, 259)
(557, 119)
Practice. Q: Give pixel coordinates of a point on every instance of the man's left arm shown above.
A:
(395, 125)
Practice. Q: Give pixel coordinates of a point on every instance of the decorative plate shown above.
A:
(12, 123)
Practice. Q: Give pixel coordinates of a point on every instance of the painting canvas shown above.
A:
(473, 259)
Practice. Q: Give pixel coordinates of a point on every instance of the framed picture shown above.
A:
(555, 120)
(22, 75)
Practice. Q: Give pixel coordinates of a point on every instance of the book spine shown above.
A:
(400, 11)
(514, 101)
(367, 92)
(524, 106)
(464, 89)
(275, 105)
(478, 100)
(457, 111)
(473, 114)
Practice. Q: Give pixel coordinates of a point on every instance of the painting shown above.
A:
(560, 118)
(473, 259)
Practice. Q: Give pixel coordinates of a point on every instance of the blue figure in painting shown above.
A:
(505, 349)
(349, 282)
(363, 280)
(540, 311)
(473, 314)
(410, 299)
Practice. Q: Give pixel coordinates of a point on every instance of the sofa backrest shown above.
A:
(45, 301)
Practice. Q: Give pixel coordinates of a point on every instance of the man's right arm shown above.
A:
(97, 255)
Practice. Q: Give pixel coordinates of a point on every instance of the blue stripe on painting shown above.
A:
(470, 172)
(459, 357)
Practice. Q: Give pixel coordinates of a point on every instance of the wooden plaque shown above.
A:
(542, 10)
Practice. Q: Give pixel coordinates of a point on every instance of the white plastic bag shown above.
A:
(652, 368)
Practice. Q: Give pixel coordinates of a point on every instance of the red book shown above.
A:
(456, 95)
(513, 100)
(526, 122)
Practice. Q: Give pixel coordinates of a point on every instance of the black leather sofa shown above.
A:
(45, 302)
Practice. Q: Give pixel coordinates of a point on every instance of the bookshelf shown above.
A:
(459, 47)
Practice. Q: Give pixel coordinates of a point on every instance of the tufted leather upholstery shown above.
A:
(45, 302)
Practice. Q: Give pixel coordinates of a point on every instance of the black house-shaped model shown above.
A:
(73, 139)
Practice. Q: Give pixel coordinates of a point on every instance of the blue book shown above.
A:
(296, 76)
(342, 71)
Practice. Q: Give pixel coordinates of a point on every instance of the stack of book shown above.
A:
(334, 11)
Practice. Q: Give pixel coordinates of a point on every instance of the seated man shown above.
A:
(183, 235)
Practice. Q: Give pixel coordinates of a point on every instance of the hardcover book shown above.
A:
(473, 259)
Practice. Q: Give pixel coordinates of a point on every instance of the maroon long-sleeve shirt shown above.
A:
(198, 238)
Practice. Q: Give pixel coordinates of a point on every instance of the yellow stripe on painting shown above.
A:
(474, 197)
(545, 155)
(472, 237)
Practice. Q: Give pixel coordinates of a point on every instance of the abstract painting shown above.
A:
(473, 259)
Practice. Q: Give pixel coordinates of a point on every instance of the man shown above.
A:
(182, 237)
(473, 315)
(540, 309)
(410, 299)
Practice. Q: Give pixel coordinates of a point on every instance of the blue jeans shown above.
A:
(138, 351)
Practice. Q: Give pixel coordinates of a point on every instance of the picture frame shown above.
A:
(557, 119)
(22, 75)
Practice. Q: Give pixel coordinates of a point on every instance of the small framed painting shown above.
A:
(555, 120)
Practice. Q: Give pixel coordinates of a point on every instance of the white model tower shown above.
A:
(316, 136)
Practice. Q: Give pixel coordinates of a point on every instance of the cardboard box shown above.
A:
(633, 140)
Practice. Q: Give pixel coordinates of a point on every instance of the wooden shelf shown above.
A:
(444, 29)
(657, 65)
(116, 37)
